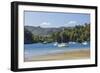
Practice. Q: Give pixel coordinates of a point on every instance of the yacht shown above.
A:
(62, 45)
(84, 43)
(55, 44)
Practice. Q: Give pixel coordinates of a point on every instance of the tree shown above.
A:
(28, 39)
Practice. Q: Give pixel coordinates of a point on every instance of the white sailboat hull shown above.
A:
(55, 44)
(84, 43)
(62, 45)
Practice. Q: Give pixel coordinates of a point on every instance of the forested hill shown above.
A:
(27, 37)
(42, 31)
(79, 33)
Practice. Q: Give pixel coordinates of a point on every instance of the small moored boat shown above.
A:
(72, 42)
(44, 42)
(84, 43)
(62, 45)
(55, 44)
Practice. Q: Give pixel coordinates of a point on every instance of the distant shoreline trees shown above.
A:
(79, 33)
(27, 37)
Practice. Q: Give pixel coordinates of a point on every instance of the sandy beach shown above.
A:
(67, 55)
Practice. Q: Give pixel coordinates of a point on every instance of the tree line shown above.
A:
(79, 33)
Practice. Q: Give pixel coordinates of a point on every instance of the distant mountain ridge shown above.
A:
(42, 31)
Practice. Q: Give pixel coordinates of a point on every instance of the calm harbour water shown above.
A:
(49, 48)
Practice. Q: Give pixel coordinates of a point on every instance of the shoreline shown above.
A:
(66, 55)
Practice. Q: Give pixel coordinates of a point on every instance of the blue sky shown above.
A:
(55, 19)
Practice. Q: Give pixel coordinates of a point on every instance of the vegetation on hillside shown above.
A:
(79, 33)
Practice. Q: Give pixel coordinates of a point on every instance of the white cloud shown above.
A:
(72, 22)
(45, 24)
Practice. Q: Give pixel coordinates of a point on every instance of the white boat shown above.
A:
(72, 42)
(84, 43)
(55, 44)
(62, 45)
(44, 42)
